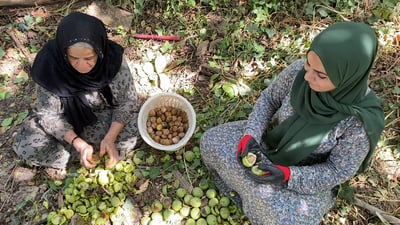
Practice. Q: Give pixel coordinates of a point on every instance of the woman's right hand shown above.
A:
(86, 156)
(86, 152)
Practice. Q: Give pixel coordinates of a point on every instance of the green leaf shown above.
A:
(7, 121)
(145, 173)
(21, 77)
(2, 53)
(154, 172)
(270, 32)
(191, 3)
(322, 12)
(167, 47)
(196, 163)
(309, 8)
(28, 20)
(21, 116)
(168, 176)
(5, 94)
(259, 49)
(252, 27)
(396, 90)
(346, 192)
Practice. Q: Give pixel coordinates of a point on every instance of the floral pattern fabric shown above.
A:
(40, 139)
(312, 188)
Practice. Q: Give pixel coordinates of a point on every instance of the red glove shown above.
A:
(247, 144)
(272, 173)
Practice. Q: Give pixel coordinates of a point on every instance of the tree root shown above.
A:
(383, 216)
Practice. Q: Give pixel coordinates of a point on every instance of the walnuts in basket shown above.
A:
(167, 125)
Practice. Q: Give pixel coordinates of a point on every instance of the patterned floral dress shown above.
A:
(312, 188)
(40, 139)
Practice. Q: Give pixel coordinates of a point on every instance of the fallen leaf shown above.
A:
(143, 187)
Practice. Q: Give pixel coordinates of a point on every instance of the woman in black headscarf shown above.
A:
(85, 98)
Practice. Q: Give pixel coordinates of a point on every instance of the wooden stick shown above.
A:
(157, 37)
(183, 182)
(209, 71)
(377, 212)
(14, 3)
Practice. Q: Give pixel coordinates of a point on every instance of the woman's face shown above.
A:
(82, 59)
(316, 75)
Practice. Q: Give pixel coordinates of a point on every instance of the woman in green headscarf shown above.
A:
(328, 123)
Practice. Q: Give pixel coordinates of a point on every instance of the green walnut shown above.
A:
(211, 193)
(212, 219)
(201, 221)
(103, 177)
(190, 221)
(224, 212)
(189, 156)
(249, 160)
(115, 201)
(213, 202)
(145, 220)
(57, 218)
(184, 211)
(176, 205)
(224, 201)
(257, 171)
(167, 214)
(195, 213)
(197, 192)
(195, 202)
(187, 199)
(180, 192)
(156, 206)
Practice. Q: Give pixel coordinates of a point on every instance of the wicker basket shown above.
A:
(166, 99)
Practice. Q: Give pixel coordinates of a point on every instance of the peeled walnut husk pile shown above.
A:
(167, 125)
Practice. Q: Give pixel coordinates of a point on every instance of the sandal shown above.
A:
(24, 174)
(56, 174)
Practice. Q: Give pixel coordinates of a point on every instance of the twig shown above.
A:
(208, 70)
(382, 218)
(106, 191)
(394, 64)
(12, 185)
(377, 212)
(376, 198)
(185, 184)
(335, 11)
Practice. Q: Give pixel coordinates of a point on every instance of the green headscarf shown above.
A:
(347, 51)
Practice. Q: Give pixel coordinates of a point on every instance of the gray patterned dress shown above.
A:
(312, 188)
(40, 138)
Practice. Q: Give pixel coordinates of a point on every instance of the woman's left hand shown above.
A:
(107, 146)
(272, 173)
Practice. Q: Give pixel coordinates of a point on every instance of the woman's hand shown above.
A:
(271, 173)
(108, 146)
(86, 152)
(84, 149)
(247, 144)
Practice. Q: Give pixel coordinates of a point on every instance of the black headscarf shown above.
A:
(52, 70)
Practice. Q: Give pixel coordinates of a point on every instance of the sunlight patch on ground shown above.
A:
(389, 165)
(10, 63)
